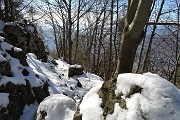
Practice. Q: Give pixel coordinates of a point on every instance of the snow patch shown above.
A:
(2, 58)
(90, 106)
(4, 100)
(29, 112)
(75, 66)
(57, 107)
(17, 49)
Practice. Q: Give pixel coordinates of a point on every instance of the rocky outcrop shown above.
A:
(109, 98)
(5, 68)
(19, 96)
(25, 36)
(22, 38)
(41, 92)
(75, 70)
(20, 55)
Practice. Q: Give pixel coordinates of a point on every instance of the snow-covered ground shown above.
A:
(60, 85)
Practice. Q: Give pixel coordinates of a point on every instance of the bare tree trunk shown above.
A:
(137, 16)
(94, 41)
(141, 52)
(151, 38)
(6, 10)
(100, 41)
(69, 33)
(77, 34)
(54, 31)
(115, 36)
(110, 42)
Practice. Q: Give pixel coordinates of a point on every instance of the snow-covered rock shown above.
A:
(156, 99)
(90, 107)
(75, 70)
(56, 107)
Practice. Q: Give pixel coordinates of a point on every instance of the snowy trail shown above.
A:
(59, 83)
(58, 76)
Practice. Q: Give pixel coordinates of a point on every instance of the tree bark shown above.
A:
(69, 33)
(137, 16)
(110, 42)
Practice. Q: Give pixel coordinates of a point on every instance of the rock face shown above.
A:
(22, 38)
(5, 68)
(75, 70)
(25, 36)
(107, 93)
(20, 55)
(41, 92)
(19, 96)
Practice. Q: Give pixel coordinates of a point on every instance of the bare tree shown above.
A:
(137, 16)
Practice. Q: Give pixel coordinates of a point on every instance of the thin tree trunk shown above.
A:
(151, 38)
(115, 36)
(141, 52)
(69, 33)
(110, 42)
(77, 34)
(100, 41)
(6, 10)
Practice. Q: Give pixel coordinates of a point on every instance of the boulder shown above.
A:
(75, 70)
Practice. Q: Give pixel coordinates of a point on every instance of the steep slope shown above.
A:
(18, 81)
(27, 78)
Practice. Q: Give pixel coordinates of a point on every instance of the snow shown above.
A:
(75, 66)
(158, 100)
(2, 58)
(4, 100)
(1, 26)
(29, 28)
(58, 79)
(59, 82)
(29, 112)
(17, 49)
(57, 107)
(90, 106)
